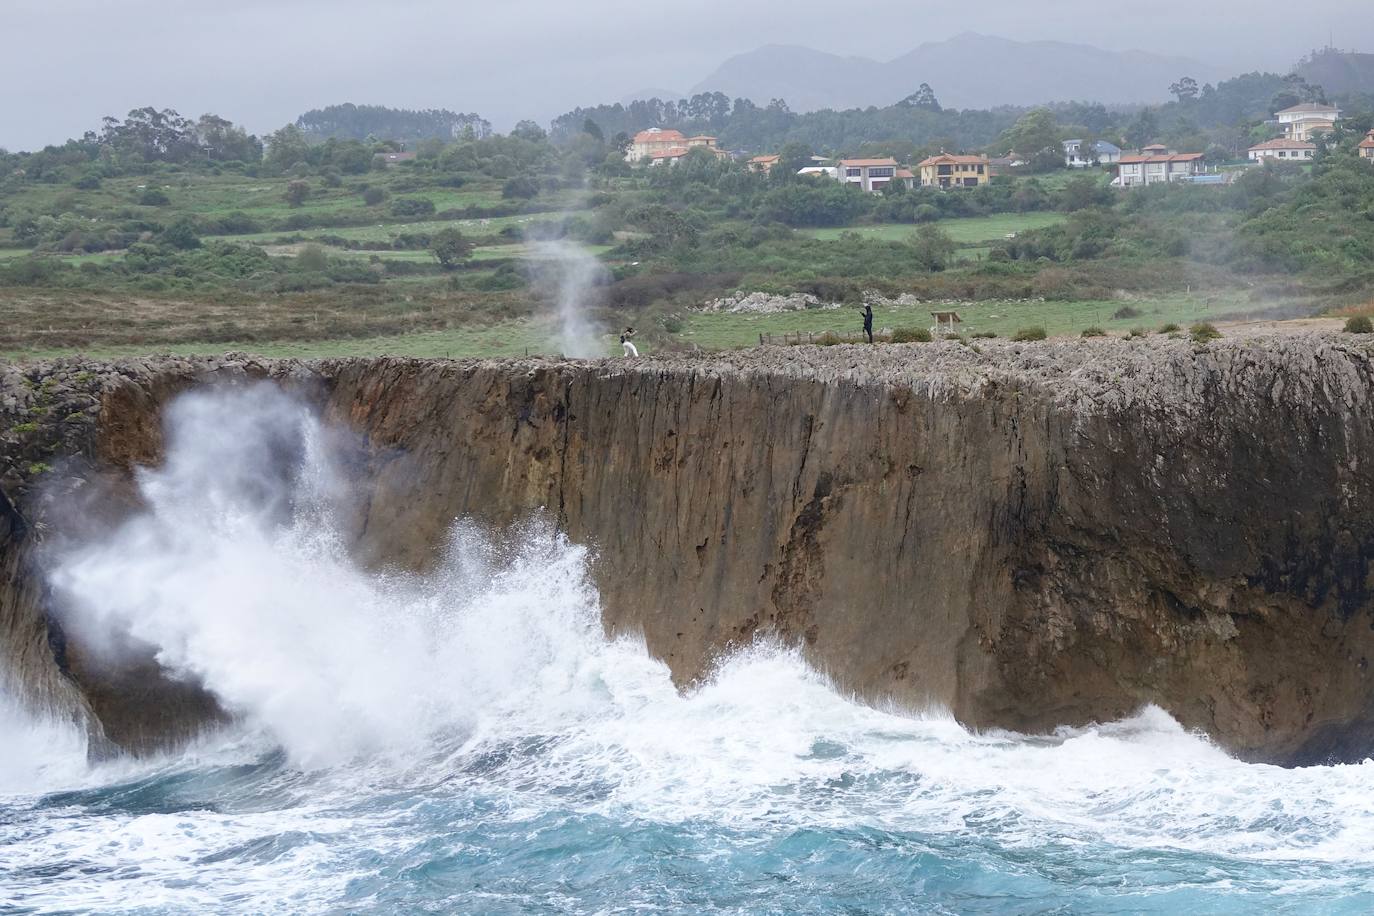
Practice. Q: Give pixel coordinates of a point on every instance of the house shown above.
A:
(1283, 150)
(1366, 147)
(1303, 122)
(1101, 153)
(868, 174)
(1134, 171)
(659, 146)
(1156, 149)
(710, 144)
(1003, 165)
(950, 171)
(763, 163)
(394, 158)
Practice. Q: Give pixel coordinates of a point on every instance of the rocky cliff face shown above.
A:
(1030, 535)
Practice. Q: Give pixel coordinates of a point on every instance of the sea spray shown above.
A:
(469, 740)
(569, 273)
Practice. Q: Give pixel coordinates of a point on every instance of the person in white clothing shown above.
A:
(627, 344)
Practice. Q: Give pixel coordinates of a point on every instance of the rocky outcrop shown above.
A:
(1030, 535)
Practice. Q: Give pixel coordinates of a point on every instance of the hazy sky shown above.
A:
(66, 63)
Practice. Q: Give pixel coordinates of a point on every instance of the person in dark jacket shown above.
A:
(868, 322)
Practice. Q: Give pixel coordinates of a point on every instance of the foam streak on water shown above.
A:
(468, 741)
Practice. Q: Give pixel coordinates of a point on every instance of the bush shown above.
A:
(373, 196)
(1094, 331)
(1359, 324)
(412, 206)
(521, 187)
(984, 335)
(1136, 332)
(312, 258)
(828, 339)
(152, 197)
(1169, 328)
(1125, 312)
(1203, 332)
(910, 335)
(1032, 333)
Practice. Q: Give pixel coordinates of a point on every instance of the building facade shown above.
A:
(1077, 156)
(1366, 147)
(1283, 150)
(1305, 121)
(948, 171)
(658, 145)
(868, 174)
(1136, 171)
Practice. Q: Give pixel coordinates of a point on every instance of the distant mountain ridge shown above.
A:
(968, 71)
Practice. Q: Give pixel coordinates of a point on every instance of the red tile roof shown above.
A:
(672, 152)
(1282, 143)
(948, 159)
(905, 173)
(1313, 107)
(657, 135)
(1177, 157)
(1368, 142)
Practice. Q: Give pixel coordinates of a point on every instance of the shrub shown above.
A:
(412, 206)
(1169, 328)
(828, 339)
(984, 335)
(1032, 333)
(373, 196)
(312, 258)
(1125, 312)
(1136, 332)
(910, 335)
(521, 187)
(1094, 331)
(296, 193)
(1359, 324)
(1203, 332)
(152, 197)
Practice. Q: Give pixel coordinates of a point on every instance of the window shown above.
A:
(853, 173)
(943, 170)
(970, 182)
(980, 170)
(883, 172)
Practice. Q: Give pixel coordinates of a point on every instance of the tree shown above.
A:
(285, 148)
(1142, 131)
(374, 195)
(1185, 90)
(592, 129)
(528, 130)
(923, 98)
(296, 193)
(520, 187)
(1037, 137)
(181, 234)
(931, 247)
(450, 247)
(792, 158)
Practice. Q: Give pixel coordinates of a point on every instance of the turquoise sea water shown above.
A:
(470, 742)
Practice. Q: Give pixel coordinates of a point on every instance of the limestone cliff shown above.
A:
(1031, 535)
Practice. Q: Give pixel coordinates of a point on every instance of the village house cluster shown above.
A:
(1301, 125)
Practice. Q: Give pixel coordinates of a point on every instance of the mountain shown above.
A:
(968, 71)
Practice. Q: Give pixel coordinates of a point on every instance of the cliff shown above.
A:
(1028, 534)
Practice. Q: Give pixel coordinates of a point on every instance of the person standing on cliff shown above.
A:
(627, 344)
(868, 322)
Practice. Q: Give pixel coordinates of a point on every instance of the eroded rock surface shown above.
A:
(1031, 535)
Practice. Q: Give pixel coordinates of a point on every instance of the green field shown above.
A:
(715, 331)
(963, 231)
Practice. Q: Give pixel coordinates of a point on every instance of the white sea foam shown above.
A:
(490, 679)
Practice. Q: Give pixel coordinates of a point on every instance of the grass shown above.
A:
(722, 331)
(517, 337)
(963, 230)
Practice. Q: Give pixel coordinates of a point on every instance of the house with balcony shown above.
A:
(1078, 155)
(869, 174)
(949, 171)
(1282, 149)
(1304, 122)
(764, 163)
(1139, 170)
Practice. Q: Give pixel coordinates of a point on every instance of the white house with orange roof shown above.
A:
(1305, 121)
(1143, 169)
(1282, 149)
(1366, 147)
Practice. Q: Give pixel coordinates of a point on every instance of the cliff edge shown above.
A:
(1030, 535)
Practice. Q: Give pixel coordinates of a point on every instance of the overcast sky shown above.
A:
(66, 63)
